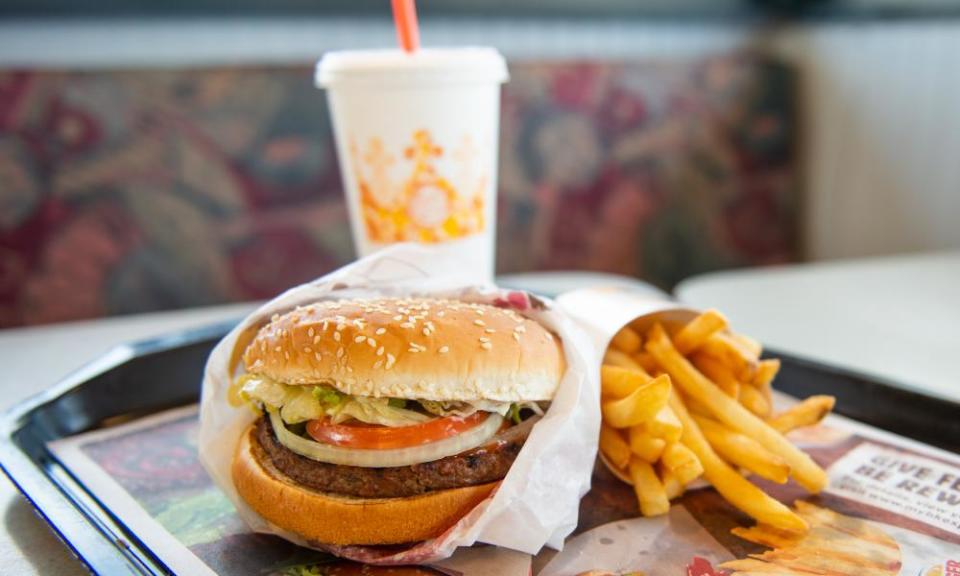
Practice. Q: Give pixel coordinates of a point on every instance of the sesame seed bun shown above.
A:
(426, 349)
(342, 520)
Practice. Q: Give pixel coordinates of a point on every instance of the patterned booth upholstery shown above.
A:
(130, 191)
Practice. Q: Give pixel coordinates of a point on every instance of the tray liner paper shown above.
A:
(537, 502)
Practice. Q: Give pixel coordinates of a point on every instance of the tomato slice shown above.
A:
(375, 437)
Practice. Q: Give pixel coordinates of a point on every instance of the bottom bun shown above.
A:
(327, 518)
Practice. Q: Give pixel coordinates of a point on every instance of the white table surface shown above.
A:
(893, 317)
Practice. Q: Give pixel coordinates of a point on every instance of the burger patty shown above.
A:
(480, 465)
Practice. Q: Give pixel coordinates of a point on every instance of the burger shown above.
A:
(385, 421)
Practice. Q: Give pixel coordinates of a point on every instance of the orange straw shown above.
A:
(405, 19)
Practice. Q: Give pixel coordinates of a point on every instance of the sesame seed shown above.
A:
(372, 342)
(441, 314)
(484, 340)
(520, 329)
(278, 349)
(286, 355)
(412, 349)
(516, 336)
(444, 349)
(350, 369)
(381, 331)
(311, 332)
(316, 339)
(489, 330)
(426, 331)
(479, 311)
(275, 317)
(317, 356)
(406, 325)
(325, 324)
(380, 351)
(341, 326)
(308, 350)
(486, 345)
(340, 352)
(377, 364)
(479, 322)
(359, 339)
(390, 360)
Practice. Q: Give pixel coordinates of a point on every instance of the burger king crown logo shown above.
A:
(422, 204)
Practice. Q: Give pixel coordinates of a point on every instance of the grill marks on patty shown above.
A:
(480, 465)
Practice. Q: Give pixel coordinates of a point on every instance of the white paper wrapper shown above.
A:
(602, 312)
(537, 502)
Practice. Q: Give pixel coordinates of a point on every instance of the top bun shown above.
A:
(415, 348)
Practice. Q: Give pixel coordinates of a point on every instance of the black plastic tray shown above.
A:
(150, 376)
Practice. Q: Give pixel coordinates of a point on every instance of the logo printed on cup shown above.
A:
(407, 197)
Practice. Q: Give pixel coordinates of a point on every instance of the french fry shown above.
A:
(615, 357)
(731, 485)
(695, 406)
(617, 382)
(646, 361)
(696, 332)
(763, 381)
(806, 413)
(688, 472)
(641, 405)
(716, 371)
(731, 354)
(626, 340)
(651, 496)
(671, 485)
(754, 401)
(614, 447)
(682, 462)
(748, 343)
(664, 425)
(766, 372)
(744, 452)
(766, 390)
(644, 445)
(676, 455)
(727, 410)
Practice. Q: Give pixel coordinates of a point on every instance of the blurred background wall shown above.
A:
(881, 105)
(714, 134)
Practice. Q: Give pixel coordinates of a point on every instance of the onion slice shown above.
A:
(392, 458)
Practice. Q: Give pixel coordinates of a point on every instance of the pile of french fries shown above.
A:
(690, 401)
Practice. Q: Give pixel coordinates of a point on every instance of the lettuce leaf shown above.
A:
(303, 402)
(300, 403)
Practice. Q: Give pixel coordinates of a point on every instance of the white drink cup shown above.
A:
(417, 137)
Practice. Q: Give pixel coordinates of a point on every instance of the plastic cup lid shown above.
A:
(469, 65)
